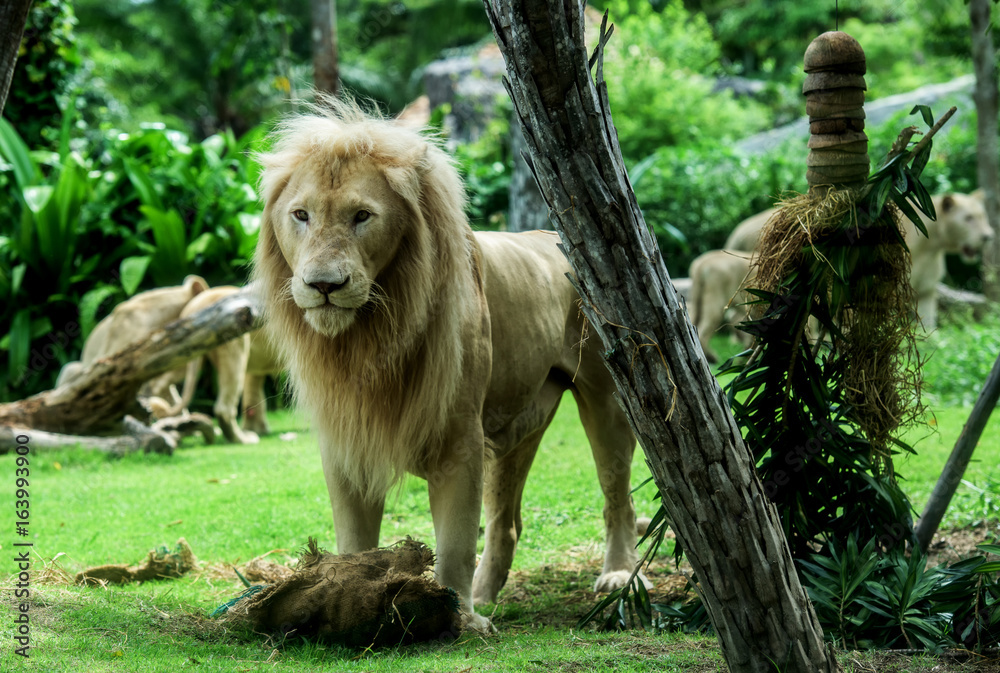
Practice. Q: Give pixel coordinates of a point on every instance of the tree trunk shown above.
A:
(527, 208)
(326, 72)
(96, 401)
(730, 531)
(959, 459)
(988, 149)
(13, 17)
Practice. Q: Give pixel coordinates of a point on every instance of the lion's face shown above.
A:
(338, 226)
(964, 227)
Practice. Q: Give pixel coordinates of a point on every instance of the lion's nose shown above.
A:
(326, 287)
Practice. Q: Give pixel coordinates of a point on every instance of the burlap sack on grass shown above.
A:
(379, 597)
(161, 563)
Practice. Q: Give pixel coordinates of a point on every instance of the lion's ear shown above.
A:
(947, 203)
(195, 285)
(404, 177)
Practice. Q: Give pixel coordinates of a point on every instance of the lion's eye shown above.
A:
(300, 215)
(361, 216)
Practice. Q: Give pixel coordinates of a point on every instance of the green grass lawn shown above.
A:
(232, 503)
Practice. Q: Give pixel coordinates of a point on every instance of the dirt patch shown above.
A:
(949, 546)
(557, 596)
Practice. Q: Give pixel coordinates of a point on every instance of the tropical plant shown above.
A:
(865, 599)
(486, 165)
(95, 225)
(693, 195)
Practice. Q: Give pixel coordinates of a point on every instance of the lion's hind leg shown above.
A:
(612, 444)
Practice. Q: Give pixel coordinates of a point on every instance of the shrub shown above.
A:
(864, 599)
(692, 197)
(96, 224)
(658, 67)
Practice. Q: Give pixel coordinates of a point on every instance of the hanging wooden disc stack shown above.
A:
(835, 97)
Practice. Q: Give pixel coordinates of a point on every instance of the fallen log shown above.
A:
(97, 401)
(135, 437)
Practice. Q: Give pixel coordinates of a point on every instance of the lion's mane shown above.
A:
(380, 391)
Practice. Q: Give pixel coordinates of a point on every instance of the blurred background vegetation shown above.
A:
(126, 150)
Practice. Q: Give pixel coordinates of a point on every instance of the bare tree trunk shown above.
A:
(527, 208)
(13, 16)
(988, 149)
(326, 71)
(96, 401)
(959, 459)
(716, 503)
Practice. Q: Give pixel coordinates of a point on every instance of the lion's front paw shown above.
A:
(248, 437)
(475, 622)
(608, 582)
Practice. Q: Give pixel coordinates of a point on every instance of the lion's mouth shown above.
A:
(330, 319)
(970, 253)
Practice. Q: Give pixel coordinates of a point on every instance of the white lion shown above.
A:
(717, 278)
(421, 347)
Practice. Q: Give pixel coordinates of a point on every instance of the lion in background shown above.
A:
(961, 228)
(134, 320)
(421, 347)
(717, 299)
(242, 366)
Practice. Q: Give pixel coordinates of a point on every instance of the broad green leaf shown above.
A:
(991, 567)
(40, 327)
(201, 245)
(36, 197)
(19, 346)
(144, 187)
(17, 278)
(131, 271)
(989, 548)
(66, 128)
(639, 170)
(15, 152)
(57, 223)
(925, 112)
(170, 255)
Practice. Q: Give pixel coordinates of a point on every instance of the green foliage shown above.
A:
(954, 375)
(214, 65)
(387, 44)
(658, 69)
(485, 166)
(692, 196)
(97, 224)
(865, 600)
(46, 63)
